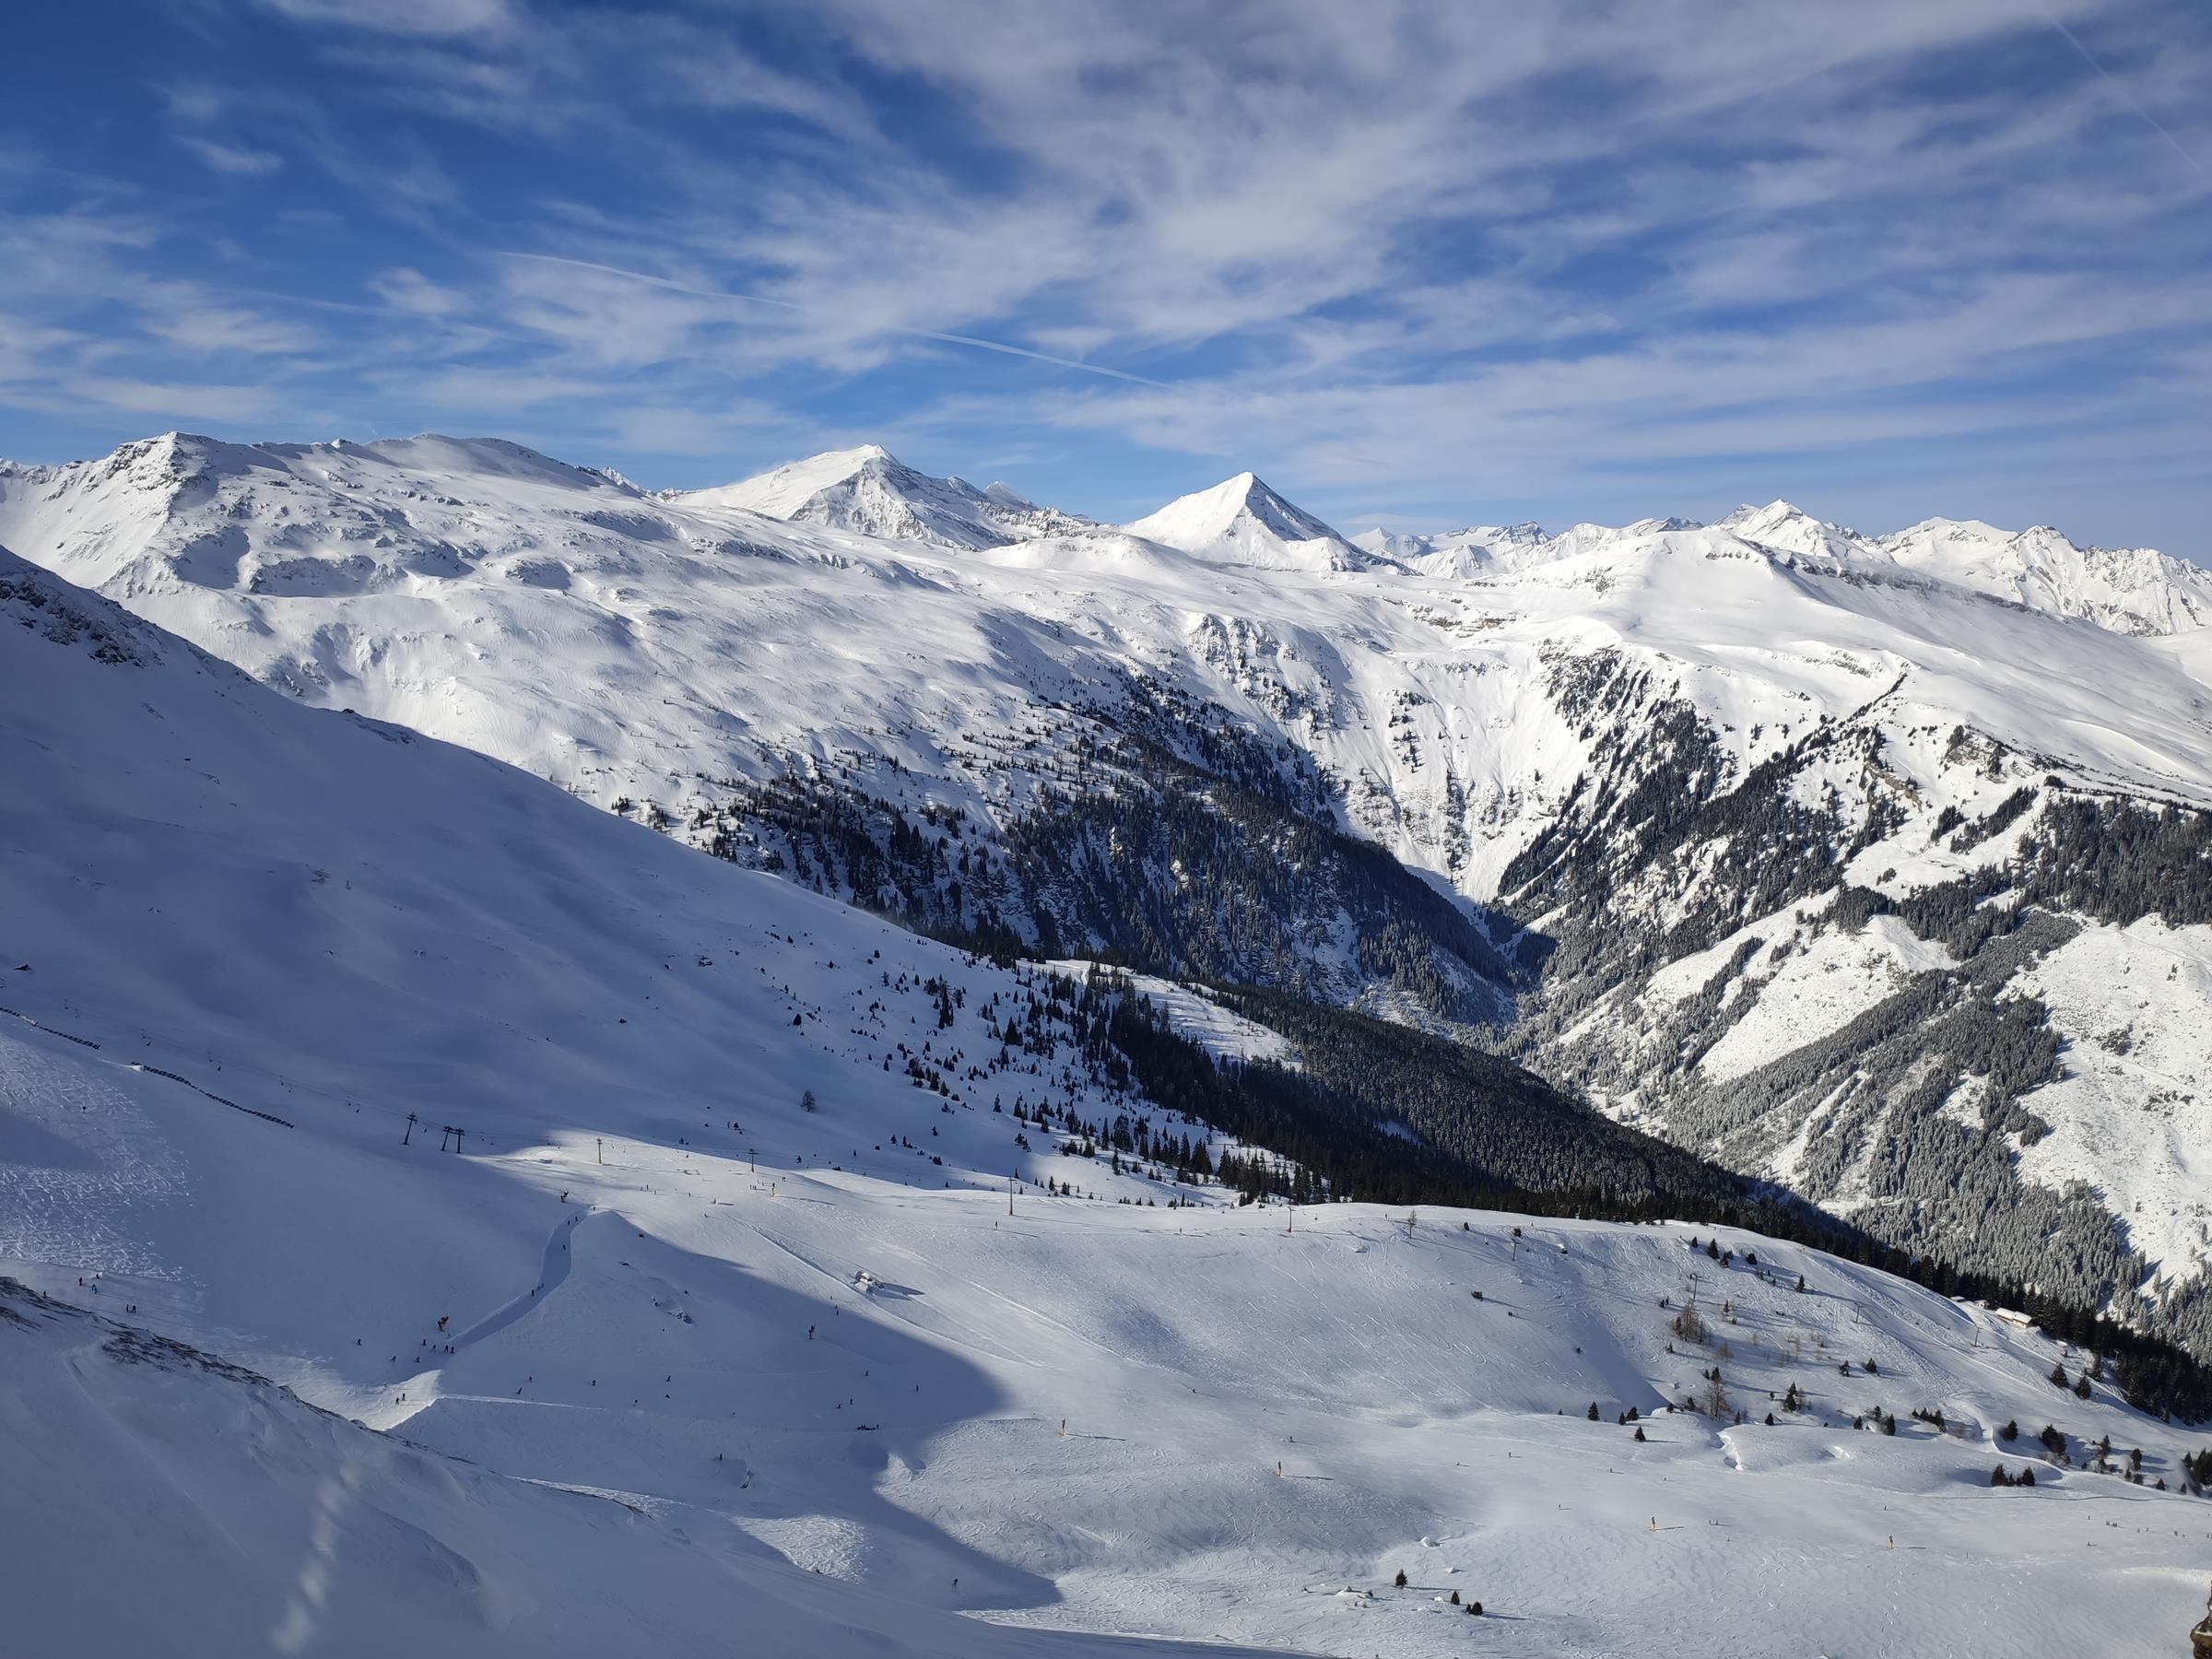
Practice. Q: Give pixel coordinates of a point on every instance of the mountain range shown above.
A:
(1874, 867)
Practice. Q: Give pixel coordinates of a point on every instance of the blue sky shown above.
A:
(1416, 265)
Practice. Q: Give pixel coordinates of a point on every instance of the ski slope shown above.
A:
(658, 1350)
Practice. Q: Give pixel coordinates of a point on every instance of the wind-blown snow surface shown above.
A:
(728, 1372)
(1456, 695)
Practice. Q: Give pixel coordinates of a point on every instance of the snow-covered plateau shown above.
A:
(442, 1216)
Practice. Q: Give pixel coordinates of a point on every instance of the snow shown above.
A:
(868, 491)
(783, 490)
(2133, 1115)
(2134, 590)
(794, 1384)
(625, 644)
(1240, 520)
(1804, 983)
(924, 641)
(1196, 1015)
(1790, 529)
(183, 1510)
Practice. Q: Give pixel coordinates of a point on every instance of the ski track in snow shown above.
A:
(559, 1253)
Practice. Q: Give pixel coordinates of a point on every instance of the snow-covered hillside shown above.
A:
(649, 1220)
(1650, 745)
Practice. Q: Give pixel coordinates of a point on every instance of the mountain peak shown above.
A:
(1787, 528)
(1241, 520)
(869, 491)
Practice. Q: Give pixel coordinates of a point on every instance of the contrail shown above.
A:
(793, 305)
(2120, 86)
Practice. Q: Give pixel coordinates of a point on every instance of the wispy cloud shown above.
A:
(716, 296)
(240, 160)
(1457, 255)
(430, 17)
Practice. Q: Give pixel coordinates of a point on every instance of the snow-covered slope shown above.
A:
(652, 1217)
(174, 1503)
(1643, 743)
(868, 491)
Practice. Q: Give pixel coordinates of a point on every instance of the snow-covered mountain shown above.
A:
(2132, 590)
(1821, 854)
(2135, 590)
(1241, 522)
(1467, 552)
(1790, 529)
(758, 682)
(868, 491)
(435, 1212)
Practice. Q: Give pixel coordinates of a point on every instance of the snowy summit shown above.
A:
(1240, 520)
